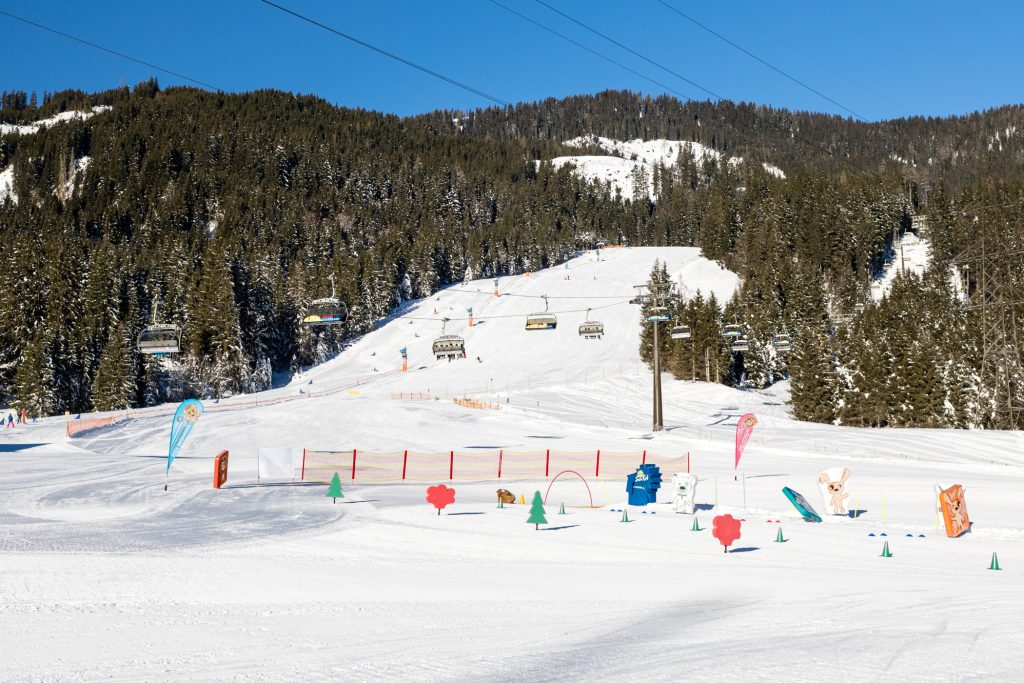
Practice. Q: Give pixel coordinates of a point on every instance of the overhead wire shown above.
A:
(110, 51)
(590, 50)
(630, 50)
(811, 57)
(390, 55)
(762, 61)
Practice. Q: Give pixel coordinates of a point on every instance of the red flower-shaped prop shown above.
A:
(440, 496)
(726, 529)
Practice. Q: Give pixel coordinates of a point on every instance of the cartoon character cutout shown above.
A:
(190, 413)
(684, 490)
(832, 484)
(954, 510)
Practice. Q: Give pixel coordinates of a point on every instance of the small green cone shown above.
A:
(885, 550)
(561, 509)
(625, 516)
(778, 536)
(696, 525)
(995, 563)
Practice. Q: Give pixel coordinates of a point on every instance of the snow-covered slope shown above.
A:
(62, 117)
(273, 582)
(626, 159)
(911, 255)
(7, 185)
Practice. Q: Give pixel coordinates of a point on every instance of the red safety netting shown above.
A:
(376, 466)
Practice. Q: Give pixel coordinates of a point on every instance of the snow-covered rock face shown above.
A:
(628, 168)
(63, 117)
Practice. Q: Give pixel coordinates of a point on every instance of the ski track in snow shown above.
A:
(105, 575)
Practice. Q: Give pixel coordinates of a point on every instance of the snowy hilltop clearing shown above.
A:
(62, 117)
(106, 575)
(628, 161)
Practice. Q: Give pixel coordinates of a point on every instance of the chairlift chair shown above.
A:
(658, 314)
(591, 329)
(159, 340)
(741, 344)
(732, 331)
(542, 321)
(449, 345)
(681, 332)
(782, 343)
(327, 311)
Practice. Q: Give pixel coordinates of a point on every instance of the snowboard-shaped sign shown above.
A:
(684, 490)
(801, 505)
(954, 510)
(832, 485)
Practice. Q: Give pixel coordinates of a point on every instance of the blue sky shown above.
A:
(880, 59)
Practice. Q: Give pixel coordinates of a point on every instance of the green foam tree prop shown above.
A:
(537, 511)
(334, 490)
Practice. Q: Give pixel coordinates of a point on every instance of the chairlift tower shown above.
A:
(658, 314)
(995, 270)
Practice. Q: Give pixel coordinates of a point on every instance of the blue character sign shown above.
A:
(642, 486)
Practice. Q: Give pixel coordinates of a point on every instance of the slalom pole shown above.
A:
(744, 491)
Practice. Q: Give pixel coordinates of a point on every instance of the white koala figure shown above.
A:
(684, 490)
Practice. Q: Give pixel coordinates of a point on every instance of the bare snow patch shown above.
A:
(64, 116)
(631, 162)
(7, 185)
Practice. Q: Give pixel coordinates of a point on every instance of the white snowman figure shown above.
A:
(684, 489)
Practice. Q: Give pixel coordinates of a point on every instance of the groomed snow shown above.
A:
(911, 255)
(105, 575)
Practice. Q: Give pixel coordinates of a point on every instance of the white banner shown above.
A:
(278, 464)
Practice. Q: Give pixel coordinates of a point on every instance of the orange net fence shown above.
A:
(473, 403)
(75, 427)
(483, 465)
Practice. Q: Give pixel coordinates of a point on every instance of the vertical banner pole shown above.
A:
(500, 454)
(451, 465)
(687, 462)
(597, 467)
(303, 475)
(547, 462)
(643, 460)
(353, 463)
(744, 491)
(405, 460)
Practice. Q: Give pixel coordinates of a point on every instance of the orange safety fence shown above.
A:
(473, 403)
(483, 465)
(75, 427)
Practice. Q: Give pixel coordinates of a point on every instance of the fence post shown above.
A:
(547, 462)
(451, 465)
(353, 463)
(405, 459)
(597, 468)
(500, 454)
